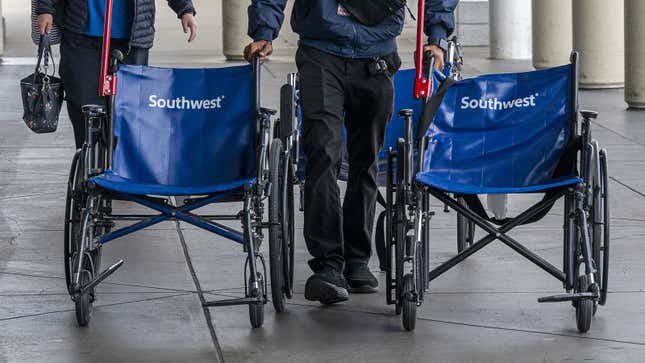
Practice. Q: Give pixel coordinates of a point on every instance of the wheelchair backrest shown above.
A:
(185, 127)
(503, 130)
(403, 98)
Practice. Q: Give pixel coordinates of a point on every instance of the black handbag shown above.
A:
(42, 93)
(372, 12)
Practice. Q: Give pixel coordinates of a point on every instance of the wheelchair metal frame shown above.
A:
(89, 219)
(586, 226)
(96, 157)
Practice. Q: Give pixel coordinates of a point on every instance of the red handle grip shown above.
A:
(422, 82)
(107, 86)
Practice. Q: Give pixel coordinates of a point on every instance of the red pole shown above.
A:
(107, 81)
(422, 83)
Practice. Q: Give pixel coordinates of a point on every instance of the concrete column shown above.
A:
(552, 32)
(598, 34)
(635, 53)
(234, 28)
(510, 29)
(1, 31)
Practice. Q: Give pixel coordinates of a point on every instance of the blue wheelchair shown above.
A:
(196, 133)
(505, 133)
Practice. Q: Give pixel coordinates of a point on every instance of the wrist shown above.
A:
(440, 43)
(188, 11)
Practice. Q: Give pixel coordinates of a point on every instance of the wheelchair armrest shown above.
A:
(267, 111)
(406, 112)
(588, 114)
(93, 110)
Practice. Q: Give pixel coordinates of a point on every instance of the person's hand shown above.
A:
(188, 22)
(438, 55)
(45, 22)
(262, 48)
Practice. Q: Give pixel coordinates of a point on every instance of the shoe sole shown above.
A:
(329, 293)
(360, 288)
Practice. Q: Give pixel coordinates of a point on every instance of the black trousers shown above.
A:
(337, 92)
(80, 65)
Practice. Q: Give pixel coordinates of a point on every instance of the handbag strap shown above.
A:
(44, 55)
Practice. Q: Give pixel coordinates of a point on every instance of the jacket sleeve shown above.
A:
(46, 7)
(440, 18)
(265, 19)
(181, 7)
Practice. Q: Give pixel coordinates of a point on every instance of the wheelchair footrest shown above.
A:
(231, 302)
(102, 276)
(567, 297)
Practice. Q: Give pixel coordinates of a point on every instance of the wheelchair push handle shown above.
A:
(107, 79)
(422, 79)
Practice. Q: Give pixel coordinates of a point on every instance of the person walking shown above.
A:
(345, 67)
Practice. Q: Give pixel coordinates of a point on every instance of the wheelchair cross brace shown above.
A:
(495, 233)
(177, 213)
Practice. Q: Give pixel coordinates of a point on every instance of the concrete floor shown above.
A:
(484, 310)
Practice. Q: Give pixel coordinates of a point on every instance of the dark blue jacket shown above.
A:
(320, 26)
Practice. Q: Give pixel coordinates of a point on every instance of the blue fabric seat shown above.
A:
(182, 131)
(115, 182)
(503, 133)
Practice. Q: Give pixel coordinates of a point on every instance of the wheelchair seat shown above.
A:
(112, 181)
(503, 133)
(456, 187)
(173, 141)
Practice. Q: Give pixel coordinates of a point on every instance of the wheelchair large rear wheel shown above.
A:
(288, 229)
(278, 244)
(73, 204)
(399, 225)
(75, 201)
(600, 211)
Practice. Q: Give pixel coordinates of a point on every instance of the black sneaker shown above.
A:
(359, 278)
(327, 286)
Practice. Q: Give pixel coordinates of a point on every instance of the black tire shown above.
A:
(75, 200)
(408, 305)
(400, 222)
(462, 228)
(256, 315)
(419, 270)
(603, 261)
(256, 309)
(584, 308)
(276, 238)
(289, 254)
(84, 301)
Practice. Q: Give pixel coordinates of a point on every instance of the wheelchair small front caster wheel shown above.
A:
(584, 308)
(408, 305)
(256, 309)
(83, 302)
